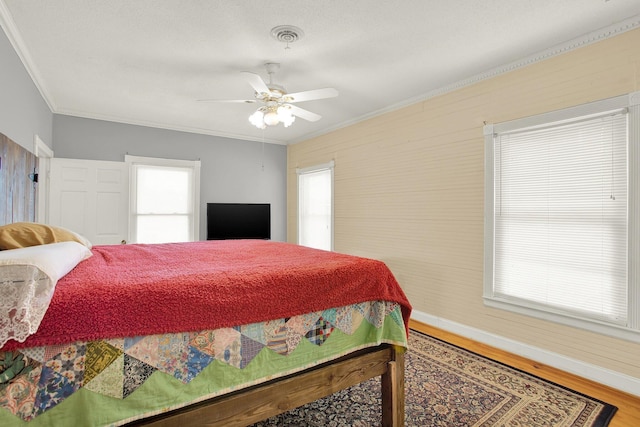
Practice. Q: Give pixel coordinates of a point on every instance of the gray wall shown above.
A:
(231, 170)
(23, 111)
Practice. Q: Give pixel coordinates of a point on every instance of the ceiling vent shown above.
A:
(287, 34)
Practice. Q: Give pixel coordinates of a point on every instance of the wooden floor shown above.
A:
(628, 414)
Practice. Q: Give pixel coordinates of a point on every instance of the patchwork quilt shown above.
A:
(66, 379)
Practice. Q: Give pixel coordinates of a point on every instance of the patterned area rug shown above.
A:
(447, 386)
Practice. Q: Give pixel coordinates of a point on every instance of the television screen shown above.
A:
(238, 221)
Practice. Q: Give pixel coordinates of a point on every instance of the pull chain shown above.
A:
(612, 197)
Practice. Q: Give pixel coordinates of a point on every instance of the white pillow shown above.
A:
(28, 277)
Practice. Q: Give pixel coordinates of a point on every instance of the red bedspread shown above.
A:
(130, 290)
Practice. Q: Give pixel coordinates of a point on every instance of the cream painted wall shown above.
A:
(409, 189)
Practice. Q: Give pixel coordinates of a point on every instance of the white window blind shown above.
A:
(164, 200)
(561, 217)
(561, 208)
(315, 207)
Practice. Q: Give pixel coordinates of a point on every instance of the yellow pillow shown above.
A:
(24, 234)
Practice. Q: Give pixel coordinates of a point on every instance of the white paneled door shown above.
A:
(90, 197)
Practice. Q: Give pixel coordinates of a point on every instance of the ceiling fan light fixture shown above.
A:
(285, 116)
(278, 104)
(257, 119)
(271, 118)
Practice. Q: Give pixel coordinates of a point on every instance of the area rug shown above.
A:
(447, 386)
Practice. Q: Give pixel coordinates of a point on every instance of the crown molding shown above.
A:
(11, 30)
(585, 40)
(187, 129)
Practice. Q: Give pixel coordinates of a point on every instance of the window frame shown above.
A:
(132, 161)
(631, 331)
(329, 166)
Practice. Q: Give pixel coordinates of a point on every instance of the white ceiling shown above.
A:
(148, 62)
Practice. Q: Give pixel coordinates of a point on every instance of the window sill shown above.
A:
(590, 325)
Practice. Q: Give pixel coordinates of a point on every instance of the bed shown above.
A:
(201, 333)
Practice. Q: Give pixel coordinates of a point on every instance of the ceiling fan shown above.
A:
(277, 102)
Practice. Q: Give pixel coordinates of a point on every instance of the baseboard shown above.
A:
(595, 373)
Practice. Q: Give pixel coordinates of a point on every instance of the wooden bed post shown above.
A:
(393, 390)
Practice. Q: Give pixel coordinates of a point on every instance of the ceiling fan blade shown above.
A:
(309, 95)
(234, 101)
(256, 82)
(303, 114)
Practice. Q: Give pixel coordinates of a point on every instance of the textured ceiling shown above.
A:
(148, 62)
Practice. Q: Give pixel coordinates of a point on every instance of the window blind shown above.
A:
(315, 207)
(164, 200)
(164, 205)
(560, 217)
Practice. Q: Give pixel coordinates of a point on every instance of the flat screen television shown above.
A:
(238, 221)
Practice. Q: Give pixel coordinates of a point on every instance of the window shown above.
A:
(164, 199)
(315, 206)
(562, 217)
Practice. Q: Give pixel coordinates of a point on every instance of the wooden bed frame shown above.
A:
(250, 405)
(257, 403)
